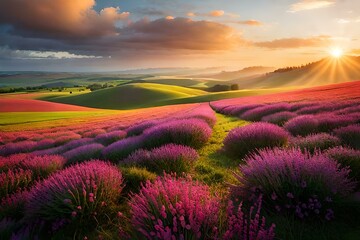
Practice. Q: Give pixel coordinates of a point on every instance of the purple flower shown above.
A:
(258, 113)
(86, 152)
(168, 158)
(302, 125)
(244, 140)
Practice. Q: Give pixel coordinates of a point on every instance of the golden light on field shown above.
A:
(337, 52)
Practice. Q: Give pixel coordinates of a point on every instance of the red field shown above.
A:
(30, 105)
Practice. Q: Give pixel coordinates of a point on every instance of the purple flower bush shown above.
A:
(45, 143)
(17, 147)
(312, 142)
(329, 121)
(67, 138)
(14, 180)
(108, 138)
(242, 227)
(121, 149)
(279, 118)
(203, 112)
(350, 135)
(189, 132)
(13, 205)
(347, 157)
(138, 129)
(82, 195)
(294, 182)
(244, 140)
(237, 110)
(167, 158)
(259, 112)
(302, 125)
(171, 208)
(93, 133)
(83, 153)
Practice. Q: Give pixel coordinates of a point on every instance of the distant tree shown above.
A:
(234, 87)
(219, 88)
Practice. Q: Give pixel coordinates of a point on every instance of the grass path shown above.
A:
(213, 166)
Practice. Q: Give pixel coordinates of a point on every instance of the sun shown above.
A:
(336, 52)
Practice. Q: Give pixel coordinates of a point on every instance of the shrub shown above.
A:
(83, 153)
(49, 151)
(243, 140)
(93, 133)
(279, 118)
(312, 142)
(44, 144)
(121, 149)
(42, 166)
(82, 195)
(295, 182)
(189, 132)
(138, 129)
(350, 135)
(14, 180)
(18, 147)
(203, 112)
(167, 158)
(259, 112)
(67, 138)
(134, 177)
(328, 122)
(242, 227)
(237, 110)
(172, 207)
(347, 157)
(13, 205)
(302, 125)
(108, 138)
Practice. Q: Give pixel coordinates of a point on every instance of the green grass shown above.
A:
(213, 166)
(129, 96)
(12, 121)
(142, 95)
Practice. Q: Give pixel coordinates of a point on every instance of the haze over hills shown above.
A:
(323, 72)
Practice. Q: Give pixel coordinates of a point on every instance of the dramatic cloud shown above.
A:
(59, 18)
(250, 22)
(179, 33)
(348, 20)
(295, 42)
(304, 5)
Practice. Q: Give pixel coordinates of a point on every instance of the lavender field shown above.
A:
(224, 170)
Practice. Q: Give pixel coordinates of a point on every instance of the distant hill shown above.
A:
(129, 96)
(323, 72)
(243, 73)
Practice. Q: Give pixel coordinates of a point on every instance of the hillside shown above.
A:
(326, 71)
(129, 96)
(243, 73)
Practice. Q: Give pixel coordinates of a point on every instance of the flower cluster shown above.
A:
(244, 140)
(288, 179)
(173, 208)
(167, 158)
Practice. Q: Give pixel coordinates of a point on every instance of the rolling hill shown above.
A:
(323, 72)
(129, 96)
(248, 72)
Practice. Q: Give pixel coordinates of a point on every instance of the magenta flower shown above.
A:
(174, 207)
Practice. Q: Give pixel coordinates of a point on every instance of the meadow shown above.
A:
(267, 165)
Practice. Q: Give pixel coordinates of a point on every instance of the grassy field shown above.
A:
(141, 95)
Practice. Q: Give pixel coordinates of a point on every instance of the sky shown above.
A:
(114, 35)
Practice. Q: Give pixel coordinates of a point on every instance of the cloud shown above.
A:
(348, 20)
(217, 13)
(169, 18)
(59, 18)
(250, 22)
(179, 33)
(355, 51)
(28, 54)
(305, 5)
(295, 42)
(214, 13)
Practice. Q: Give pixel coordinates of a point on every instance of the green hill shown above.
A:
(129, 96)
